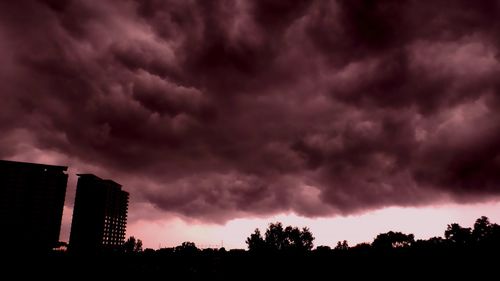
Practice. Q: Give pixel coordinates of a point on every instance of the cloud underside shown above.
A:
(221, 109)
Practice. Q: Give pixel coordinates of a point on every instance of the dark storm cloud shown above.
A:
(221, 109)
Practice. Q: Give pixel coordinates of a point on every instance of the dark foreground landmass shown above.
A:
(243, 265)
(282, 253)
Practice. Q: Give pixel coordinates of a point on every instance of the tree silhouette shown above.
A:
(486, 234)
(306, 240)
(432, 244)
(188, 248)
(278, 238)
(361, 247)
(342, 246)
(323, 249)
(494, 238)
(132, 245)
(275, 236)
(482, 230)
(392, 240)
(138, 246)
(457, 235)
(255, 242)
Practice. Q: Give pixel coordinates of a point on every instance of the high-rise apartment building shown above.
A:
(31, 205)
(99, 215)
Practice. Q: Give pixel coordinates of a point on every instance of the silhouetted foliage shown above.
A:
(482, 230)
(363, 245)
(186, 248)
(361, 248)
(342, 246)
(149, 251)
(323, 249)
(275, 237)
(434, 243)
(285, 253)
(132, 245)
(392, 240)
(255, 242)
(485, 234)
(457, 235)
(278, 238)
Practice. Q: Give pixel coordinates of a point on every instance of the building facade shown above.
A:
(99, 215)
(31, 205)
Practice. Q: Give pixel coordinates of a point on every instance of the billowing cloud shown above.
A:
(222, 109)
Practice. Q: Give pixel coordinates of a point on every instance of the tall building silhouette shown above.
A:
(31, 205)
(99, 215)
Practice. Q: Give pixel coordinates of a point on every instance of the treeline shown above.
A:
(282, 252)
(292, 240)
(483, 236)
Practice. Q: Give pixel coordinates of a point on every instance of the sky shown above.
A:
(350, 117)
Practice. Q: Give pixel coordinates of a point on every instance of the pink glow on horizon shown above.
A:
(424, 222)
